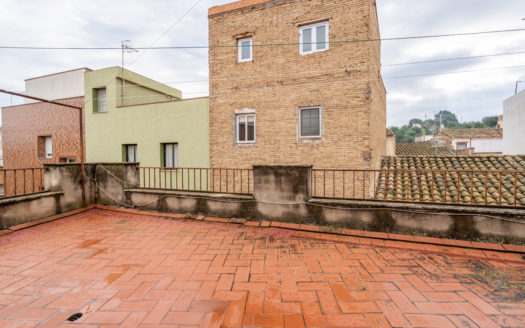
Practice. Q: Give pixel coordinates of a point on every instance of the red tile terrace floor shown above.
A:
(129, 270)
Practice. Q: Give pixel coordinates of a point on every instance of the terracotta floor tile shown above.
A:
(122, 269)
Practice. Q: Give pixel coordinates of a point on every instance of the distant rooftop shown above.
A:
(413, 186)
(473, 133)
(425, 148)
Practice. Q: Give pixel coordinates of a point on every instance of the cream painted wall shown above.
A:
(514, 127)
(185, 122)
(56, 86)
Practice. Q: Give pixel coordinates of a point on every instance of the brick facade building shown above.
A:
(285, 90)
(36, 133)
(27, 128)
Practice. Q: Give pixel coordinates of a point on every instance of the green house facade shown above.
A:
(143, 121)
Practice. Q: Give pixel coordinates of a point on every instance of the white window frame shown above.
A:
(239, 52)
(48, 147)
(320, 108)
(313, 27)
(237, 117)
(465, 143)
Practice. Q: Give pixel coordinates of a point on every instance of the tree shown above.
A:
(490, 121)
(416, 127)
(415, 122)
(448, 119)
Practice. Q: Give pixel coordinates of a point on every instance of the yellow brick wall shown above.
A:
(280, 80)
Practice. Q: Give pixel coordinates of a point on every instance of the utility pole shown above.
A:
(126, 48)
(516, 89)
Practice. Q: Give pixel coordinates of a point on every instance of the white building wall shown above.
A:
(488, 145)
(424, 138)
(56, 86)
(514, 127)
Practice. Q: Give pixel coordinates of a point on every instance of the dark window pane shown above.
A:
(310, 123)
(251, 128)
(242, 128)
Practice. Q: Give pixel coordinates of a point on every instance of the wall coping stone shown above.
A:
(192, 194)
(466, 209)
(92, 163)
(282, 166)
(22, 198)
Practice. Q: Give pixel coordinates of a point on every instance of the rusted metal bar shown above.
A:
(486, 188)
(16, 189)
(446, 187)
(344, 185)
(500, 183)
(353, 185)
(364, 184)
(333, 183)
(459, 181)
(420, 188)
(433, 175)
(324, 183)
(471, 188)
(227, 189)
(515, 188)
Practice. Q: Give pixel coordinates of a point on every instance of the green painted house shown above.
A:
(144, 121)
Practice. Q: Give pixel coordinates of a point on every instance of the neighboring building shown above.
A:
(424, 138)
(36, 133)
(1, 151)
(304, 102)
(390, 143)
(68, 84)
(500, 123)
(151, 124)
(473, 141)
(427, 148)
(514, 133)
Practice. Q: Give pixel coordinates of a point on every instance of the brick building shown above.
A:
(285, 90)
(36, 133)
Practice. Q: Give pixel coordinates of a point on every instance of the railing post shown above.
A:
(500, 182)
(515, 188)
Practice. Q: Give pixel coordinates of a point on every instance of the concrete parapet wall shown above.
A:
(63, 191)
(281, 193)
(22, 209)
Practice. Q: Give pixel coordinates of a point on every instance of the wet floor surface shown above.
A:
(127, 270)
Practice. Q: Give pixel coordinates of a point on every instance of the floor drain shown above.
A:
(74, 317)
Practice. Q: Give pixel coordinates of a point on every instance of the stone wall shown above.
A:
(344, 80)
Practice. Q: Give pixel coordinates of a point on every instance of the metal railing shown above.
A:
(16, 182)
(216, 180)
(464, 187)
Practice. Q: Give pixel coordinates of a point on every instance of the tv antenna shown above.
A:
(126, 48)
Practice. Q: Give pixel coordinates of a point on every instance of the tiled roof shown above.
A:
(233, 6)
(420, 182)
(473, 133)
(425, 148)
(389, 133)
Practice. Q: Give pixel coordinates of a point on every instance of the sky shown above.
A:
(477, 87)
